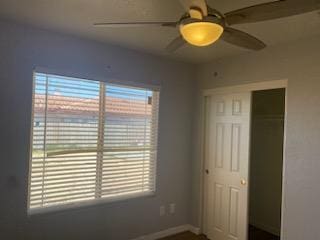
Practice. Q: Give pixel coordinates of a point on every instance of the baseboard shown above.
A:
(169, 232)
(195, 230)
(266, 227)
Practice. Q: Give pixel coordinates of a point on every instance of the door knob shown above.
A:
(243, 182)
(207, 171)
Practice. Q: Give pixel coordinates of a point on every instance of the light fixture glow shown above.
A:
(201, 33)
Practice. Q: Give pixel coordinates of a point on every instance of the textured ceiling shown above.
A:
(76, 17)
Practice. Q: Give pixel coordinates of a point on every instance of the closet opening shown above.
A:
(266, 164)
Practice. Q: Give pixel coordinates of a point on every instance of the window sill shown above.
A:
(86, 204)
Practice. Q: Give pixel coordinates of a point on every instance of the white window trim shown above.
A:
(106, 79)
(98, 201)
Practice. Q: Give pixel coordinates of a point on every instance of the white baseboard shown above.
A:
(195, 230)
(169, 232)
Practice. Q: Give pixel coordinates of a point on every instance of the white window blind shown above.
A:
(91, 141)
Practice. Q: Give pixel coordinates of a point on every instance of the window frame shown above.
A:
(102, 200)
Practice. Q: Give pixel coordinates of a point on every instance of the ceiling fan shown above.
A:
(202, 25)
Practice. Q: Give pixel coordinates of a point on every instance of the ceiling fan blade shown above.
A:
(135, 24)
(202, 4)
(214, 11)
(175, 44)
(242, 39)
(271, 10)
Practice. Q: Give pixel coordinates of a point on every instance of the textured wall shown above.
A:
(298, 63)
(21, 50)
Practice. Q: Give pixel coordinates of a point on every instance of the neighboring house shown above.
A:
(73, 134)
(72, 114)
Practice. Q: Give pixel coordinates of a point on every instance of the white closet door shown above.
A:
(226, 163)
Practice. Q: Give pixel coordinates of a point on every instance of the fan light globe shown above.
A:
(201, 33)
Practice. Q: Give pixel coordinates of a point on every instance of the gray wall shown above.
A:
(299, 63)
(266, 154)
(21, 50)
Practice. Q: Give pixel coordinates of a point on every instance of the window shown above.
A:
(91, 141)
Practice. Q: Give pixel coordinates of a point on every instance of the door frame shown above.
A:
(250, 87)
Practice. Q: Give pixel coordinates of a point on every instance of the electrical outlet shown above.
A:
(172, 208)
(162, 211)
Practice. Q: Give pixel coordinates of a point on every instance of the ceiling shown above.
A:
(76, 17)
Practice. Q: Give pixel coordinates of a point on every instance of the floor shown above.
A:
(254, 234)
(258, 234)
(185, 236)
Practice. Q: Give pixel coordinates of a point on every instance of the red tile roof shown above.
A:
(90, 106)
